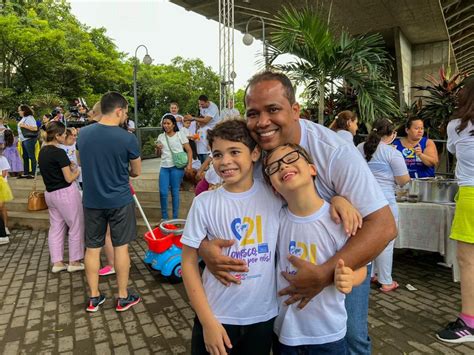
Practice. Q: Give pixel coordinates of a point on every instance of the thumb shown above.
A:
(340, 264)
(295, 261)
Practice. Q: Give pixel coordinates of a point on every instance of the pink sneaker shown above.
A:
(106, 270)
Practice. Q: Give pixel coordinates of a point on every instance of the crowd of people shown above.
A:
(295, 217)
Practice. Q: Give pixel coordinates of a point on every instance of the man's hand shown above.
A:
(309, 280)
(221, 265)
(342, 210)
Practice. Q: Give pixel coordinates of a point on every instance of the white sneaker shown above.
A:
(59, 268)
(4, 240)
(72, 268)
(7, 231)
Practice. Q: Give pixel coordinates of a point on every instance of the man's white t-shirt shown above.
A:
(462, 145)
(4, 165)
(175, 143)
(341, 169)
(251, 220)
(202, 145)
(211, 111)
(315, 238)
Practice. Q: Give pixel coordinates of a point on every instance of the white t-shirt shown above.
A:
(315, 238)
(386, 163)
(211, 111)
(229, 114)
(202, 146)
(4, 165)
(462, 145)
(176, 143)
(212, 177)
(131, 124)
(71, 154)
(251, 219)
(28, 120)
(341, 169)
(185, 131)
(346, 135)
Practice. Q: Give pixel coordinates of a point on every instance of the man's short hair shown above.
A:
(111, 101)
(203, 98)
(269, 75)
(233, 131)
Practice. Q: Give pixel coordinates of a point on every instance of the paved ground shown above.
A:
(41, 312)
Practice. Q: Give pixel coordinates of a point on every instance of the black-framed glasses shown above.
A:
(288, 158)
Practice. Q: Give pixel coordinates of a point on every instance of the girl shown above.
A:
(345, 125)
(28, 134)
(11, 153)
(5, 192)
(63, 199)
(170, 142)
(461, 143)
(420, 153)
(388, 166)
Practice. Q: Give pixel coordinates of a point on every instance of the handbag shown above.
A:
(28, 133)
(36, 200)
(180, 160)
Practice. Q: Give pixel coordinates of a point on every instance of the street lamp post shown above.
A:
(248, 38)
(146, 60)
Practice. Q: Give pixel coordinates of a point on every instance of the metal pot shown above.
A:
(434, 190)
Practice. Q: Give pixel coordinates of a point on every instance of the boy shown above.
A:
(236, 317)
(307, 231)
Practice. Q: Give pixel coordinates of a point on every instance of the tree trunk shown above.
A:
(321, 103)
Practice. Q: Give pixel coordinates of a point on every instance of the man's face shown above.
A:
(271, 119)
(203, 104)
(123, 114)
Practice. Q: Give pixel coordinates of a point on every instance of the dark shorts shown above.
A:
(122, 221)
(338, 347)
(253, 339)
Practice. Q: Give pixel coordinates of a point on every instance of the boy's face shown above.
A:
(289, 170)
(186, 123)
(233, 162)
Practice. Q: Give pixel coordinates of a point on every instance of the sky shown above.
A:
(167, 30)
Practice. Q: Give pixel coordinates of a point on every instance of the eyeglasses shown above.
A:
(289, 158)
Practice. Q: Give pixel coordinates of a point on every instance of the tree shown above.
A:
(360, 63)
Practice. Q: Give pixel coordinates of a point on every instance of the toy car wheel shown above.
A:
(176, 275)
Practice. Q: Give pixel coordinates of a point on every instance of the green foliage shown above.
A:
(360, 63)
(239, 103)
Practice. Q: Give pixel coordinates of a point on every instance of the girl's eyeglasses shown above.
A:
(288, 158)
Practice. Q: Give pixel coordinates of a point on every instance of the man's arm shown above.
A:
(135, 167)
(377, 231)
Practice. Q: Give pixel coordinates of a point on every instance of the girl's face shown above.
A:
(168, 125)
(416, 130)
(353, 126)
(288, 170)
(174, 109)
(20, 112)
(71, 139)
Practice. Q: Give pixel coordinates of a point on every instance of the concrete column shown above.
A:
(403, 59)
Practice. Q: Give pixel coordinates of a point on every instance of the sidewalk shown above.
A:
(41, 312)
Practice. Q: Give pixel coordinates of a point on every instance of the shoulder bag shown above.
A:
(180, 160)
(36, 200)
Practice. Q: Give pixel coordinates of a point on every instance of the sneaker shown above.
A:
(29, 177)
(107, 270)
(94, 303)
(125, 303)
(7, 231)
(72, 268)
(22, 176)
(456, 332)
(59, 268)
(4, 240)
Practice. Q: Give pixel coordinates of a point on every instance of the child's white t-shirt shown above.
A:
(4, 165)
(71, 154)
(202, 145)
(251, 220)
(315, 238)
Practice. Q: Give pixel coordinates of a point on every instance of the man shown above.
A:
(273, 118)
(107, 151)
(209, 112)
(230, 112)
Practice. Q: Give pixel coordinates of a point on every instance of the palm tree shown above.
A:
(323, 61)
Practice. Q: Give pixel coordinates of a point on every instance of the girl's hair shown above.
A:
(233, 131)
(70, 132)
(9, 138)
(465, 110)
(382, 127)
(54, 128)
(172, 119)
(342, 120)
(294, 146)
(27, 111)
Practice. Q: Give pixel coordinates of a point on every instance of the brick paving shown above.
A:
(41, 312)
